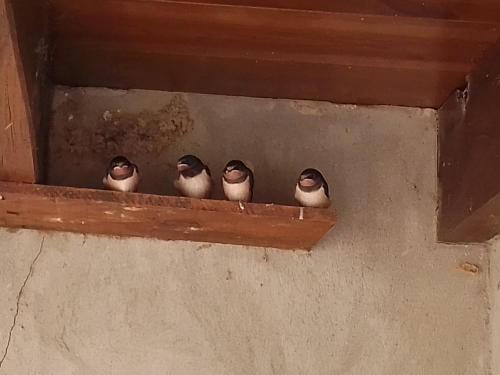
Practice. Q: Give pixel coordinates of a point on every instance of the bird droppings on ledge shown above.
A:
(134, 209)
(107, 116)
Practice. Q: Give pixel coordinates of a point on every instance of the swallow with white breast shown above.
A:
(122, 175)
(311, 189)
(193, 179)
(237, 181)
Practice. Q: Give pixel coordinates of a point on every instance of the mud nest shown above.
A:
(117, 130)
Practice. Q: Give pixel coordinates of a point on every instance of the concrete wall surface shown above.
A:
(376, 296)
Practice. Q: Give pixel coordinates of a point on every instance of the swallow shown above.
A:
(312, 190)
(122, 175)
(193, 179)
(237, 181)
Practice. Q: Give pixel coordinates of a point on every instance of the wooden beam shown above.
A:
(270, 52)
(469, 157)
(162, 217)
(463, 10)
(23, 26)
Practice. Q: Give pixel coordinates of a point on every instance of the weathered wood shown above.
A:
(23, 26)
(167, 218)
(469, 157)
(242, 50)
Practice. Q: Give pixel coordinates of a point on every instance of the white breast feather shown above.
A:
(237, 192)
(199, 186)
(127, 185)
(316, 198)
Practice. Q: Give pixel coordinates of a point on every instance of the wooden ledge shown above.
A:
(163, 217)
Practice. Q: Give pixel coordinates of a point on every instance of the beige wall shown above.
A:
(377, 296)
(495, 304)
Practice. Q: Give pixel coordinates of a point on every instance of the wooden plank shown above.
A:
(469, 157)
(250, 51)
(464, 10)
(162, 217)
(22, 60)
(339, 84)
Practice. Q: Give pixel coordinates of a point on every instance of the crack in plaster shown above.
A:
(19, 295)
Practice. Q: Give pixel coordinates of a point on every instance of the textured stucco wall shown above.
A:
(377, 295)
(495, 304)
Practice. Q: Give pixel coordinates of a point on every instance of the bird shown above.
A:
(237, 181)
(311, 189)
(193, 179)
(122, 175)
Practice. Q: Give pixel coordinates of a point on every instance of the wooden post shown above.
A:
(469, 157)
(23, 52)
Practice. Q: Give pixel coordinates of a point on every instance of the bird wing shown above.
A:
(325, 186)
(250, 175)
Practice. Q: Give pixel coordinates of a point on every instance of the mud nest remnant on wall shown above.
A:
(118, 130)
